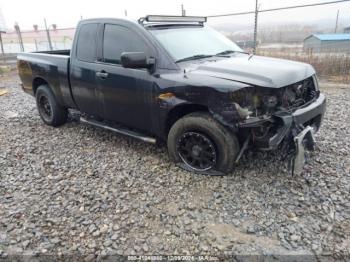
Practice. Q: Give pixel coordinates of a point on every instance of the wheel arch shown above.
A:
(39, 81)
(180, 111)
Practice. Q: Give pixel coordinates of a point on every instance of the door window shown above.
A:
(119, 39)
(86, 45)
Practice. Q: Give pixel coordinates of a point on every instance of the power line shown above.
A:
(280, 8)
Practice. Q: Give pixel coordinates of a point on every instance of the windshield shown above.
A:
(195, 42)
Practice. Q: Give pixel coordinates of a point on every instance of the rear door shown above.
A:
(84, 69)
(127, 93)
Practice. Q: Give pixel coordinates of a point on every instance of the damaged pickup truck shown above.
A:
(175, 79)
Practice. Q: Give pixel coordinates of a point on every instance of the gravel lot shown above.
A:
(81, 190)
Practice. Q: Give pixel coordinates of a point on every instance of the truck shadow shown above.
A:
(267, 164)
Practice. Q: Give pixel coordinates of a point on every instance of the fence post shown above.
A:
(36, 45)
(2, 46)
(18, 30)
(255, 26)
(183, 11)
(48, 35)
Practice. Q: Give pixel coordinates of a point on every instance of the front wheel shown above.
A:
(201, 144)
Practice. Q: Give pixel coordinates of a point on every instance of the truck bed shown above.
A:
(53, 67)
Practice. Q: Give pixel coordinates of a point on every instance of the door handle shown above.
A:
(102, 74)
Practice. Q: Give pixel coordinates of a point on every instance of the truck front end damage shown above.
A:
(284, 118)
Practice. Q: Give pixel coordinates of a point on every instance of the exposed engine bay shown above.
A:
(274, 118)
(258, 101)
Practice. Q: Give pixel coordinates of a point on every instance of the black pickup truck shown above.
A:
(175, 79)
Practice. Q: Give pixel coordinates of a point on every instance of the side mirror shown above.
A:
(136, 60)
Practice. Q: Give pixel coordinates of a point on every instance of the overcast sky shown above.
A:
(66, 13)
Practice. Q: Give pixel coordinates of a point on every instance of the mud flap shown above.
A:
(303, 141)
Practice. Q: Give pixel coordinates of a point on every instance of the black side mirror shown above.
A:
(136, 60)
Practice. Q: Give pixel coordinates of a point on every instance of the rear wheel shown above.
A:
(49, 110)
(202, 144)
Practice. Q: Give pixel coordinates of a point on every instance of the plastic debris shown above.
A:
(3, 92)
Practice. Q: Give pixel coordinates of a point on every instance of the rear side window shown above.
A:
(86, 46)
(119, 39)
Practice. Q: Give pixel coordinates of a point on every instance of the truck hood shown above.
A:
(253, 70)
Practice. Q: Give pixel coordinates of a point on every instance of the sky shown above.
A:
(66, 13)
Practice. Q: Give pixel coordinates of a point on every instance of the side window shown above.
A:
(119, 39)
(86, 45)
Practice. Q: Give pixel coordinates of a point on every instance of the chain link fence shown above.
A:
(291, 38)
(37, 40)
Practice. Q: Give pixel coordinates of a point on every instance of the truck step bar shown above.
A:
(119, 130)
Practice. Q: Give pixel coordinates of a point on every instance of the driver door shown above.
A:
(126, 93)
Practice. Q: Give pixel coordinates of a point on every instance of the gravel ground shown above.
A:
(81, 190)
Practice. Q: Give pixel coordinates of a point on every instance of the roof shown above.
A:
(331, 37)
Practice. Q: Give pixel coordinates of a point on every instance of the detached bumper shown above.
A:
(311, 115)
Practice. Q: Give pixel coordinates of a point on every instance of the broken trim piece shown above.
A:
(299, 158)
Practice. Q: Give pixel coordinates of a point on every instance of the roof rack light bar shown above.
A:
(165, 18)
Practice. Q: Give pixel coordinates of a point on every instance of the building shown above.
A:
(347, 30)
(327, 43)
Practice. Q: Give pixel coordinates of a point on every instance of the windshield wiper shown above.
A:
(194, 57)
(227, 52)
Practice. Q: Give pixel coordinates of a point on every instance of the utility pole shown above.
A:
(183, 11)
(255, 26)
(336, 23)
(126, 13)
(18, 31)
(48, 35)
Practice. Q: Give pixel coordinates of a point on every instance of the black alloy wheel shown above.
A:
(197, 151)
(199, 143)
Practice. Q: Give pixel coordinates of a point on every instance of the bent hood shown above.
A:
(254, 70)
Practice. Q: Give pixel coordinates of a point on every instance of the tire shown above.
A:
(201, 128)
(49, 110)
